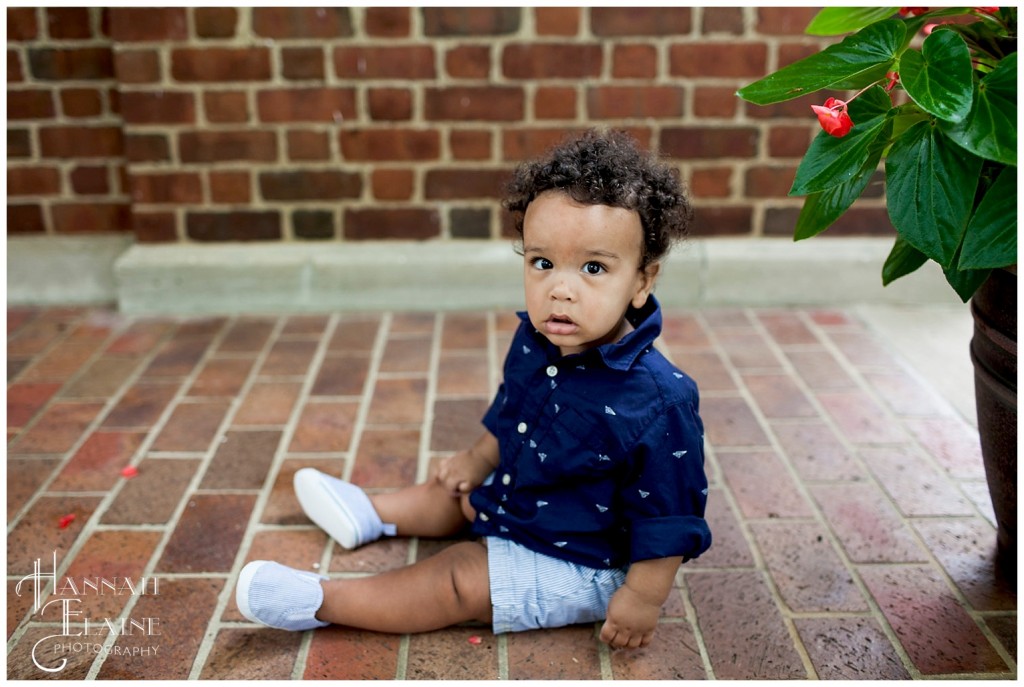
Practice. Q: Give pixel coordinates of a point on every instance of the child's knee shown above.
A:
(470, 580)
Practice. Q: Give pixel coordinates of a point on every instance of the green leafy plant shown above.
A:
(949, 146)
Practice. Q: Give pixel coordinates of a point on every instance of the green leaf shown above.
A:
(903, 259)
(833, 21)
(990, 130)
(965, 282)
(991, 238)
(864, 55)
(940, 78)
(831, 161)
(930, 185)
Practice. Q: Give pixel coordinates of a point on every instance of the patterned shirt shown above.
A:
(601, 452)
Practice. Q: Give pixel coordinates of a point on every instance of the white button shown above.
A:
(484, 517)
(552, 370)
(506, 480)
(521, 428)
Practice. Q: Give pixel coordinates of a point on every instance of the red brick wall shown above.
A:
(302, 124)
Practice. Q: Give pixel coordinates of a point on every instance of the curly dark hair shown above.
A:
(607, 168)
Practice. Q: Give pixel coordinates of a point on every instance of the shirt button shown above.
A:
(552, 370)
(484, 517)
(521, 428)
(506, 480)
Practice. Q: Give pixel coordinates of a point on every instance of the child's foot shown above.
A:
(339, 508)
(278, 596)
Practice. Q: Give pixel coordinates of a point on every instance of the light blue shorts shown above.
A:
(530, 590)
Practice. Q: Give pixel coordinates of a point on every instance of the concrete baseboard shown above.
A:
(432, 275)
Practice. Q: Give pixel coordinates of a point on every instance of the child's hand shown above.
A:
(462, 472)
(631, 620)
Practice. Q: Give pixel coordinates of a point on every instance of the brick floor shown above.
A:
(853, 534)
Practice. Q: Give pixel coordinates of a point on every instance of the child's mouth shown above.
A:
(560, 325)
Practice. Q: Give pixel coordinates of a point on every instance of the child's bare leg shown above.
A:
(448, 588)
(423, 510)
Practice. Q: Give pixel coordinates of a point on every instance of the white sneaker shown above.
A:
(339, 508)
(281, 597)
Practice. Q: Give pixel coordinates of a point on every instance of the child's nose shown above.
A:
(563, 291)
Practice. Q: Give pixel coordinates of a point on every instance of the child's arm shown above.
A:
(634, 609)
(466, 470)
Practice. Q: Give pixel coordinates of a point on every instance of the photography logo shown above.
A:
(79, 633)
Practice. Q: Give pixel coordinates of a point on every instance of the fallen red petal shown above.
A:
(130, 471)
(66, 520)
(475, 640)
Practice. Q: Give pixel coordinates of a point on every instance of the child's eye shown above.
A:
(541, 263)
(593, 268)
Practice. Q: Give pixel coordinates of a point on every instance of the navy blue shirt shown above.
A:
(601, 452)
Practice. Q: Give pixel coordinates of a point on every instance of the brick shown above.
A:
(242, 460)
(551, 61)
(310, 185)
(769, 181)
(743, 631)
(447, 184)
(25, 399)
(22, 24)
(963, 546)
(730, 422)
(352, 655)
(917, 488)
(19, 143)
(640, 21)
(306, 104)
(469, 144)
(390, 144)
(71, 64)
(797, 108)
(557, 21)
(722, 220)
(539, 656)
(194, 546)
(302, 22)
(860, 418)
(634, 61)
(866, 524)
(137, 66)
(58, 428)
(158, 107)
(713, 182)
(91, 218)
(239, 225)
(722, 20)
(154, 227)
(406, 62)
(554, 102)
(33, 181)
(226, 107)
(268, 403)
(213, 65)
(224, 146)
(137, 24)
(850, 648)
(470, 21)
(392, 184)
(468, 62)
(816, 453)
(388, 22)
(215, 22)
(251, 654)
(938, 634)
(709, 142)
(626, 102)
(68, 23)
(81, 102)
(733, 59)
(789, 141)
(784, 21)
(90, 180)
(778, 396)
(810, 576)
(324, 427)
(30, 104)
(302, 63)
(456, 423)
(751, 476)
(390, 104)
(495, 103)
(147, 148)
(167, 187)
(446, 655)
(15, 72)
(341, 376)
(525, 144)
(715, 102)
(313, 224)
(399, 223)
(308, 145)
(470, 223)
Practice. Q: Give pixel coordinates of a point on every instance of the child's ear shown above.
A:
(648, 276)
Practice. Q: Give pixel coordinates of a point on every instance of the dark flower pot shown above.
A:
(994, 353)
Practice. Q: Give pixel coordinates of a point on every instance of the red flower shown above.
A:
(894, 78)
(833, 117)
(66, 520)
(987, 10)
(913, 11)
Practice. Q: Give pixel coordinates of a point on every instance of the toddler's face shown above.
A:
(582, 270)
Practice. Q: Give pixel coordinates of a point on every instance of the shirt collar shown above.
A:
(621, 354)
